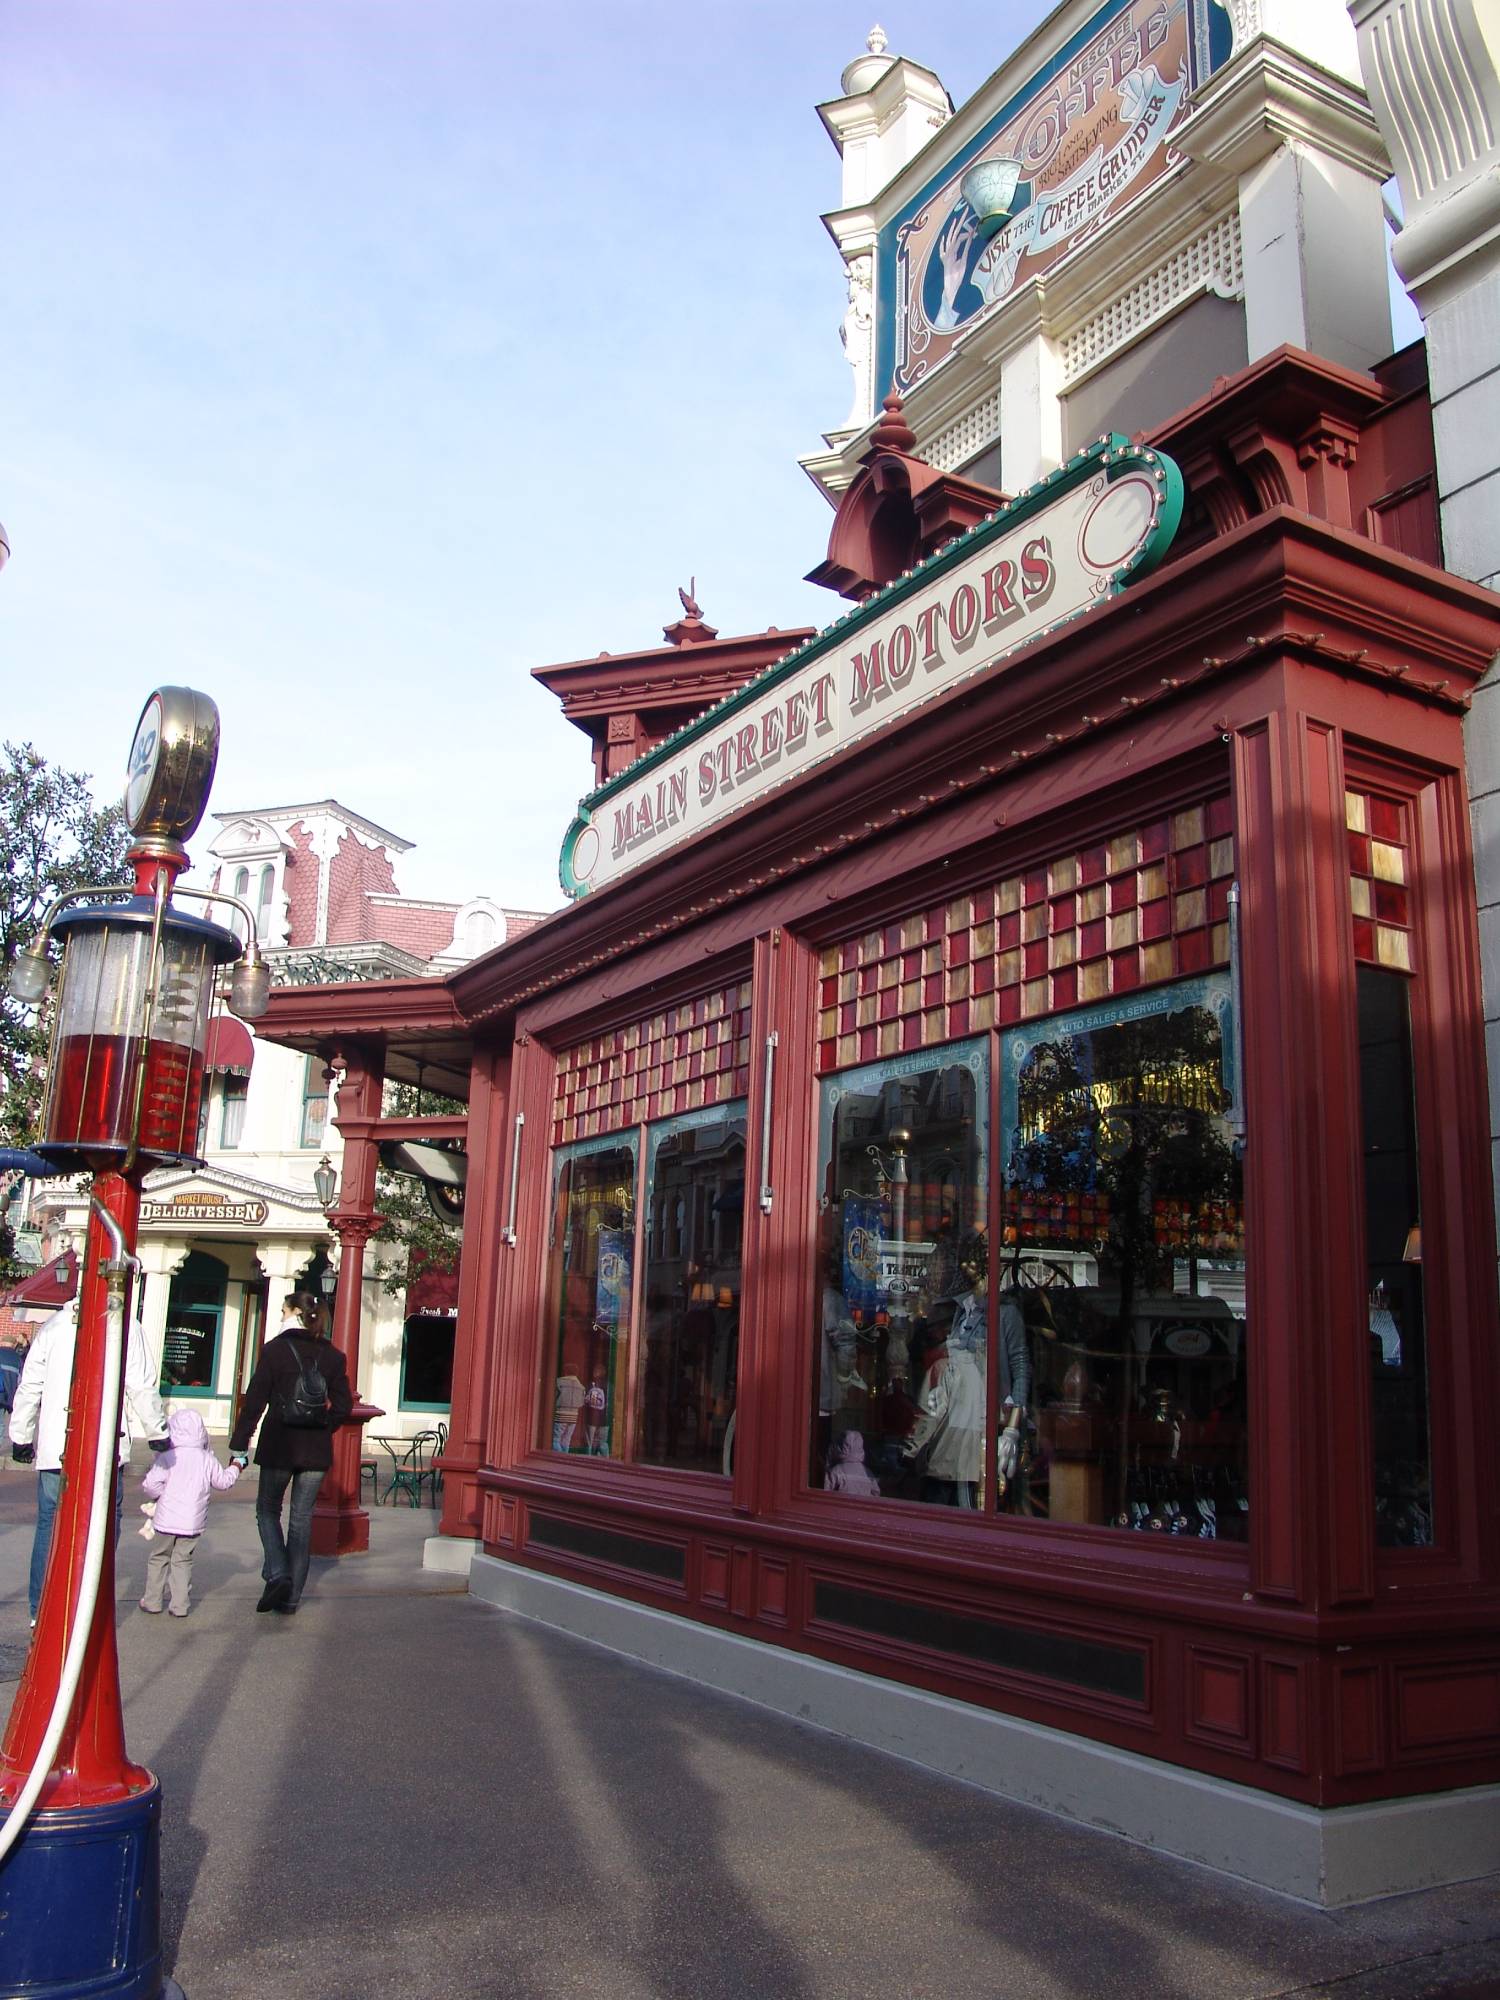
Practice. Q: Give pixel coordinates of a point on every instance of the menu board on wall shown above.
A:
(1083, 137)
(187, 1355)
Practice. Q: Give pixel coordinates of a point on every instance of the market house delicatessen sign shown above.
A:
(1055, 551)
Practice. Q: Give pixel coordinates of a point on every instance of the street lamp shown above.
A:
(325, 1182)
(79, 1895)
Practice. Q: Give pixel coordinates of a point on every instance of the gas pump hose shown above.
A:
(101, 1514)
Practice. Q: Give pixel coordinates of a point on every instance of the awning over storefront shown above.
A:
(50, 1287)
(431, 1290)
(231, 1049)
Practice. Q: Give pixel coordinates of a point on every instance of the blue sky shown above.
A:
(363, 354)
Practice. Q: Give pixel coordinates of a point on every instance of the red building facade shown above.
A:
(978, 1224)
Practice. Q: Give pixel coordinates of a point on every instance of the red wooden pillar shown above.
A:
(779, 1280)
(340, 1525)
(1311, 1478)
(510, 1412)
(475, 1333)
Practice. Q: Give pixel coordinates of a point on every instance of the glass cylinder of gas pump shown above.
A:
(128, 1049)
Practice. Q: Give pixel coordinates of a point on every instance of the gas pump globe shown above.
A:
(130, 1030)
(126, 1072)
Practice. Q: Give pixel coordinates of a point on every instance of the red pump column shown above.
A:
(90, 1766)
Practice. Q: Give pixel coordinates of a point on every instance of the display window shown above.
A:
(1122, 1300)
(1380, 874)
(591, 1294)
(1117, 1371)
(900, 1361)
(690, 1328)
(653, 1382)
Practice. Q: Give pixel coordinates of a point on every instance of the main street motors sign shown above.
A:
(1053, 552)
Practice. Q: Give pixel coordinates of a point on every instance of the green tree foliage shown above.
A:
(54, 837)
(411, 1226)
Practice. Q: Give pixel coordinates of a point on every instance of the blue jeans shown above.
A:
(48, 1490)
(286, 1555)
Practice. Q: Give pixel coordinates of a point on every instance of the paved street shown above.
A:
(400, 1792)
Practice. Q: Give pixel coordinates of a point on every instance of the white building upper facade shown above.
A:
(1149, 194)
(222, 1245)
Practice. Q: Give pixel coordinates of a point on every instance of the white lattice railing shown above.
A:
(1212, 262)
(960, 441)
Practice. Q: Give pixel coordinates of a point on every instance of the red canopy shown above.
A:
(231, 1048)
(429, 1290)
(50, 1287)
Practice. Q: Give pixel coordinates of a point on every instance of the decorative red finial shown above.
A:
(690, 629)
(893, 432)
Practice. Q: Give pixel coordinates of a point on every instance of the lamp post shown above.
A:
(79, 1848)
(341, 1525)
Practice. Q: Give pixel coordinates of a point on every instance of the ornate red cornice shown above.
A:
(1283, 581)
(897, 510)
(359, 1010)
(1280, 587)
(1288, 431)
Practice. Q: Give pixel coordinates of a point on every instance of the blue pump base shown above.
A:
(80, 1905)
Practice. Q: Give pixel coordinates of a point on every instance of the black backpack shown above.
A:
(304, 1406)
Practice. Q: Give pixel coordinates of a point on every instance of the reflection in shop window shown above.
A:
(1393, 1250)
(1124, 1266)
(900, 1349)
(590, 1291)
(691, 1326)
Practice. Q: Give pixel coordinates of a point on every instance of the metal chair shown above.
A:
(441, 1445)
(370, 1467)
(414, 1468)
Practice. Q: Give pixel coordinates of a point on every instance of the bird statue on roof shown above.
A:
(689, 598)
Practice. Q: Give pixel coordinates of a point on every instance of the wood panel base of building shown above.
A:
(1349, 1854)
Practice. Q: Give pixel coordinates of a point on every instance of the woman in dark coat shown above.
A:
(295, 1456)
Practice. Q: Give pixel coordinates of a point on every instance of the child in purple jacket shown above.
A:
(180, 1483)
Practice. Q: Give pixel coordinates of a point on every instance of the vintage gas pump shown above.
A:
(79, 1844)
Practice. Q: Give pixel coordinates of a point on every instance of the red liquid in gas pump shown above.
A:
(91, 1094)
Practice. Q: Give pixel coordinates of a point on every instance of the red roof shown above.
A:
(50, 1287)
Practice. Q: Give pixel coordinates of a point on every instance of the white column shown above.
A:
(1313, 237)
(1031, 411)
(160, 1257)
(1432, 69)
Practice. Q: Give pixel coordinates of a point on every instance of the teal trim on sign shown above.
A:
(1112, 453)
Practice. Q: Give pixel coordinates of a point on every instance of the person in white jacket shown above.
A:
(39, 1422)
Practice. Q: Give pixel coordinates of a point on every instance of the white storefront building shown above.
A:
(222, 1245)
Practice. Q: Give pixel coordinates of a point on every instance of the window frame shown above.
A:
(309, 1098)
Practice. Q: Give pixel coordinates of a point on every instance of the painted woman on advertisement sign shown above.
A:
(969, 270)
(1090, 132)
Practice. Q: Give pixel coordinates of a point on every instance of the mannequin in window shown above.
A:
(847, 1471)
(1015, 1388)
(571, 1396)
(950, 1414)
(595, 1415)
